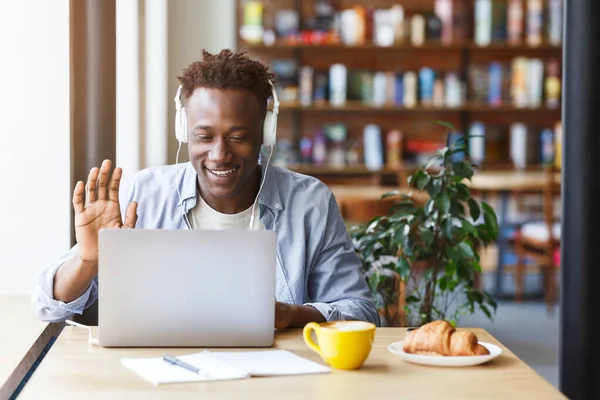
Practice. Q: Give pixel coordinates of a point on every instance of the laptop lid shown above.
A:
(186, 288)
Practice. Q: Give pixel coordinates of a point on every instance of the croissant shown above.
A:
(439, 338)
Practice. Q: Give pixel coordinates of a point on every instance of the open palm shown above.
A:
(102, 210)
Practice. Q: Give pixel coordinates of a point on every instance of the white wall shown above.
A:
(34, 139)
(155, 48)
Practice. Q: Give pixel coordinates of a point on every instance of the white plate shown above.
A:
(443, 361)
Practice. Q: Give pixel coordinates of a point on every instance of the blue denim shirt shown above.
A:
(316, 263)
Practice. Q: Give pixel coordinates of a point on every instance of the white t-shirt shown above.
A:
(205, 217)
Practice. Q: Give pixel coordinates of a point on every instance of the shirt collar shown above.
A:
(269, 195)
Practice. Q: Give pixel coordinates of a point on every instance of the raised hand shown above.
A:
(101, 209)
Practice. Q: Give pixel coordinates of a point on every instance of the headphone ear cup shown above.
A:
(270, 129)
(181, 125)
(184, 136)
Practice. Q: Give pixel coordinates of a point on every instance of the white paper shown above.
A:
(271, 363)
(218, 366)
(158, 371)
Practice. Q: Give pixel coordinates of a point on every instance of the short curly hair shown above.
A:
(227, 70)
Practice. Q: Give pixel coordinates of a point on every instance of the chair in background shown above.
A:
(540, 242)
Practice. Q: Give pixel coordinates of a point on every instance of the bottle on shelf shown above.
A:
(306, 85)
(394, 149)
(534, 22)
(410, 89)
(535, 82)
(483, 22)
(337, 85)
(558, 136)
(555, 22)
(547, 145)
(515, 22)
(372, 146)
(417, 30)
(443, 9)
(476, 143)
(552, 84)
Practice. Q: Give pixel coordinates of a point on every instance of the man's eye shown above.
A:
(202, 138)
(237, 138)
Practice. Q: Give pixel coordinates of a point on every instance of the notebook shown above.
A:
(218, 366)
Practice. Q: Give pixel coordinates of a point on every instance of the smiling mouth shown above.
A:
(223, 172)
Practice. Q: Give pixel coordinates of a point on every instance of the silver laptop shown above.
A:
(186, 288)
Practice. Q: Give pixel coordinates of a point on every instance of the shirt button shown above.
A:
(277, 206)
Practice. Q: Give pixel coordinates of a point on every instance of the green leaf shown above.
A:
(432, 161)
(452, 322)
(463, 271)
(402, 205)
(434, 187)
(468, 227)
(428, 208)
(474, 209)
(484, 233)
(403, 268)
(451, 268)
(426, 236)
(421, 180)
(368, 249)
(490, 300)
(463, 169)
(445, 124)
(442, 202)
(443, 283)
(374, 281)
(490, 219)
(465, 250)
(476, 267)
(463, 192)
(412, 299)
(486, 311)
(390, 194)
(401, 233)
(447, 228)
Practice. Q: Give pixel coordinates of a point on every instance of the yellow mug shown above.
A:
(341, 344)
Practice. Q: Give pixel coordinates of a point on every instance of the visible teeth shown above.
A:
(223, 173)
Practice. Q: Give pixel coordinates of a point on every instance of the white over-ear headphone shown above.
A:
(269, 126)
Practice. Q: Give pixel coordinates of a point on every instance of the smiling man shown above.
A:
(224, 186)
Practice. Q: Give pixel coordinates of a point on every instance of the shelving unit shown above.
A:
(297, 121)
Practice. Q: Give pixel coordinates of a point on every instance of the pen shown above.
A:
(178, 362)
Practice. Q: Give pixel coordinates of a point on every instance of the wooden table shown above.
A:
(505, 184)
(22, 340)
(74, 369)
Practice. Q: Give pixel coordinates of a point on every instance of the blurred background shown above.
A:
(361, 84)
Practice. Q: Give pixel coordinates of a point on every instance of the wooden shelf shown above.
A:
(309, 169)
(460, 56)
(318, 170)
(352, 106)
(469, 45)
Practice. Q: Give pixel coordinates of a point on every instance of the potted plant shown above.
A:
(421, 261)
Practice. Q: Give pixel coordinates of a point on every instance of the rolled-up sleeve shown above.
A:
(336, 284)
(46, 308)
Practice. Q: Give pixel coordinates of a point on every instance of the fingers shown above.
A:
(130, 215)
(115, 182)
(103, 180)
(78, 205)
(91, 194)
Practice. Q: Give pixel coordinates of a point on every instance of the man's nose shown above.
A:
(219, 152)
